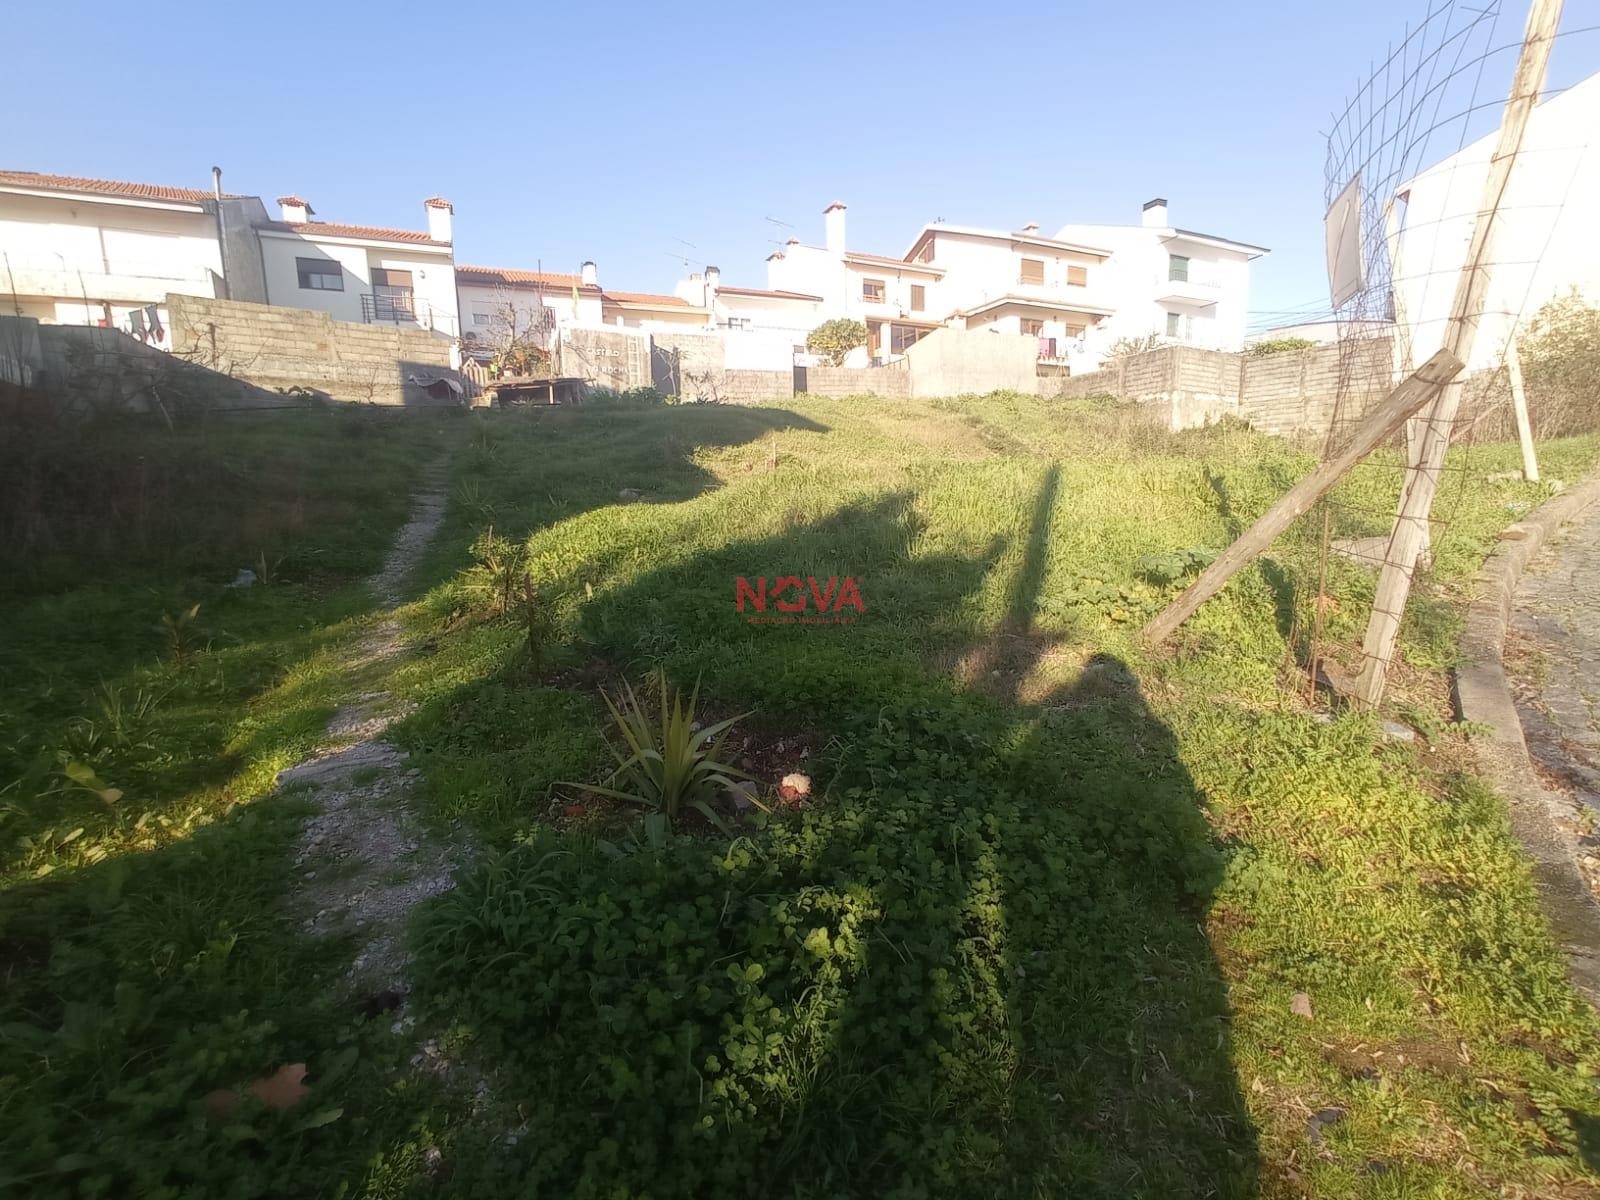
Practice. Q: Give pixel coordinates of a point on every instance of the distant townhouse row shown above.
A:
(1076, 292)
(91, 251)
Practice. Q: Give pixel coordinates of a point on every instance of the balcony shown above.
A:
(117, 279)
(392, 306)
(1191, 291)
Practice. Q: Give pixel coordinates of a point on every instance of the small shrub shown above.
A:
(179, 635)
(499, 567)
(836, 338)
(1560, 354)
(670, 765)
(1283, 345)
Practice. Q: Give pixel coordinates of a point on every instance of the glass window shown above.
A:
(1032, 271)
(1032, 326)
(919, 297)
(901, 336)
(319, 274)
(1077, 276)
(1174, 325)
(481, 318)
(872, 291)
(1177, 268)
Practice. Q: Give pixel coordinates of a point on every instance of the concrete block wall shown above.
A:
(690, 365)
(753, 387)
(954, 362)
(892, 381)
(276, 347)
(91, 370)
(609, 358)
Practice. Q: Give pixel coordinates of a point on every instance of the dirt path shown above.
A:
(363, 863)
(1553, 660)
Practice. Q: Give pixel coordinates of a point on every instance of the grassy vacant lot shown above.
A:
(1039, 933)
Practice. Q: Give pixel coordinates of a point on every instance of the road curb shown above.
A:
(1483, 696)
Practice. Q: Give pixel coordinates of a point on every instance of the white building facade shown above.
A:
(1178, 285)
(85, 251)
(1544, 241)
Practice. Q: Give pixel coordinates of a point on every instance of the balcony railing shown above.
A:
(395, 306)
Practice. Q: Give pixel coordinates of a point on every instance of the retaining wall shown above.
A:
(277, 347)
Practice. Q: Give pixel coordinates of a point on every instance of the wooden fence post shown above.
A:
(1410, 532)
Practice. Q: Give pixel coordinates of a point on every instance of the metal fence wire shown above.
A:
(1408, 169)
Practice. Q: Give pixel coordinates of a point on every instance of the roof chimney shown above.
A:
(590, 274)
(713, 279)
(833, 228)
(1155, 214)
(295, 210)
(440, 215)
(216, 183)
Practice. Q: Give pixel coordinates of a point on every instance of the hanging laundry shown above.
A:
(136, 323)
(153, 318)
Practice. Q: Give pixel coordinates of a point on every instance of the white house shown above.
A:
(1544, 243)
(1015, 282)
(363, 272)
(107, 252)
(1178, 284)
(501, 302)
(77, 251)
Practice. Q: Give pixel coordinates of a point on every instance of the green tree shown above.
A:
(1281, 345)
(1560, 352)
(836, 338)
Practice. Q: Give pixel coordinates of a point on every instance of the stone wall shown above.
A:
(1291, 394)
(892, 382)
(753, 387)
(282, 348)
(608, 358)
(91, 370)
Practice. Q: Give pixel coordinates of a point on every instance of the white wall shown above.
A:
(71, 249)
(1545, 240)
(1134, 284)
(432, 276)
(485, 300)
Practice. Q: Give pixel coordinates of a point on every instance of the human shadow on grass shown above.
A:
(975, 965)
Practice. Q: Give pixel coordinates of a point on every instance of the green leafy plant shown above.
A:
(499, 567)
(534, 617)
(1174, 564)
(666, 762)
(836, 338)
(1282, 345)
(179, 634)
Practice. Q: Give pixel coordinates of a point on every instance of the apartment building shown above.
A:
(1177, 284)
(83, 251)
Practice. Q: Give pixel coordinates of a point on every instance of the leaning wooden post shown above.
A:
(1519, 403)
(1379, 426)
(1410, 532)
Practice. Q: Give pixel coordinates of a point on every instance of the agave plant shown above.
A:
(666, 763)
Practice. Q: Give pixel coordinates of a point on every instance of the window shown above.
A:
(1075, 330)
(1032, 271)
(319, 274)
(482, 318)
(737, 323)
(925, 255)
(1077, 276)
(1032, 326)
(902, 336)
(386, 280)
(872, 291)
(919, 297)
(1174, 325)
(1177, 268)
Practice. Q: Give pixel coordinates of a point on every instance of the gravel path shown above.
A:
(1553, 660)
(363, 863)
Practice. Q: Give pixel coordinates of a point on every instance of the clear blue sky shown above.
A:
(641, 135)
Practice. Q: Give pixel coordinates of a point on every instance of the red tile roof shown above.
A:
(759, 292)
(511, 277)
(438, 202)
(306, 204)
(104, 187)
(648, 298)
(372, 232)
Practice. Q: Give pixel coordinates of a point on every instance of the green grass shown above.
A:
(148, 953)
(1038, 934)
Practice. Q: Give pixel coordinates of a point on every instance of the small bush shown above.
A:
(836, 338)
(1560, 354)
(1282, 345)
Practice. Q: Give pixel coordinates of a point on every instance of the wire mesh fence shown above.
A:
(1448, 222)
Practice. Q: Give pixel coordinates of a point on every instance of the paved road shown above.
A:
(1555, 664)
